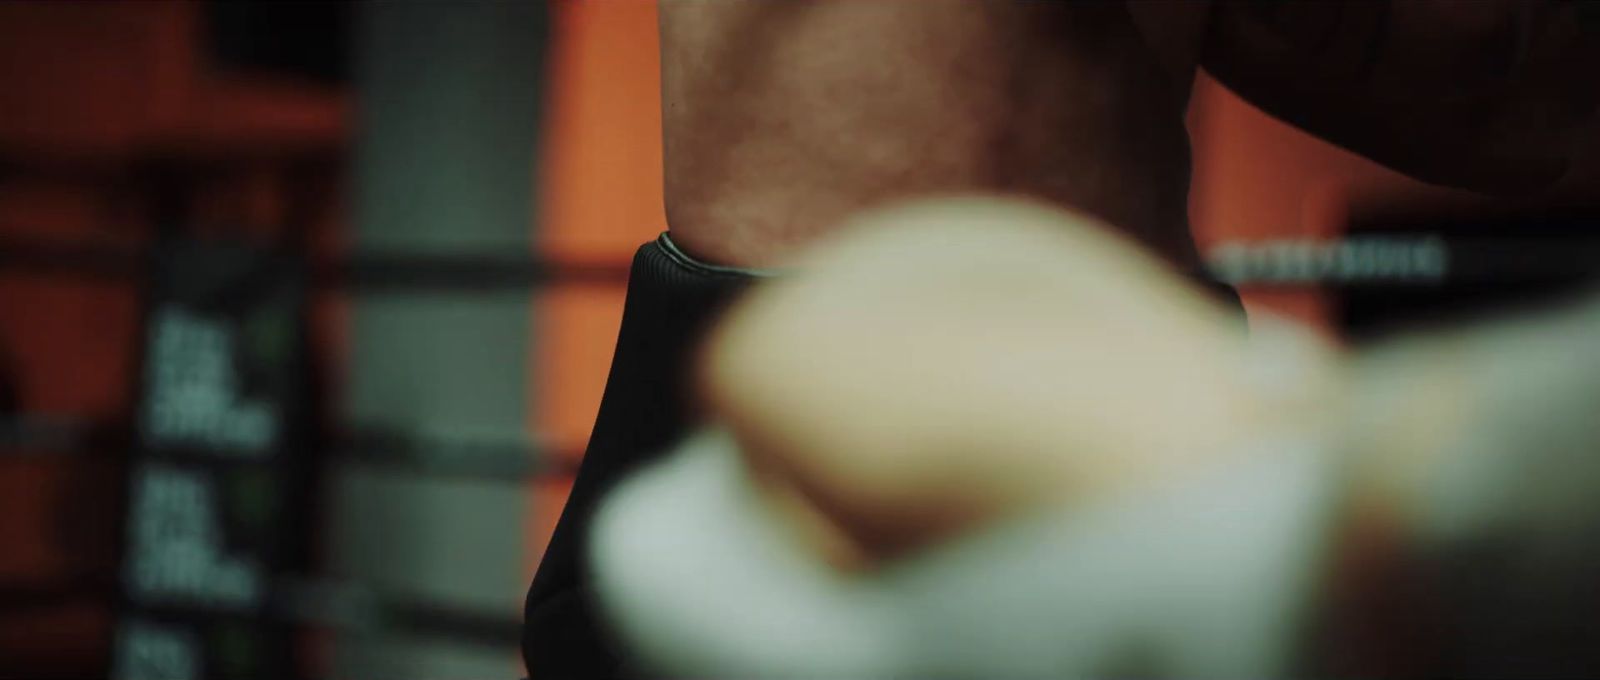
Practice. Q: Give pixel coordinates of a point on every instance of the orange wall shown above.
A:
(599, 199)
(1256, 177)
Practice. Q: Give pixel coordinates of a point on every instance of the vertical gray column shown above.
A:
(448, 108)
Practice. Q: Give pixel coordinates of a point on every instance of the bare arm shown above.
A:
(783, 116)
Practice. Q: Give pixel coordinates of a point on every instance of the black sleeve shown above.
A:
(646, 408)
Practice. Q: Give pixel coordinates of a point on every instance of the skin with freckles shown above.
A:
(783, 118)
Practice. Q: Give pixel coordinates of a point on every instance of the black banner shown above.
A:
(218, 497)
(1489, 265)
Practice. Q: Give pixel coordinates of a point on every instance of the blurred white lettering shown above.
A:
(193, 395)
(176, 551)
